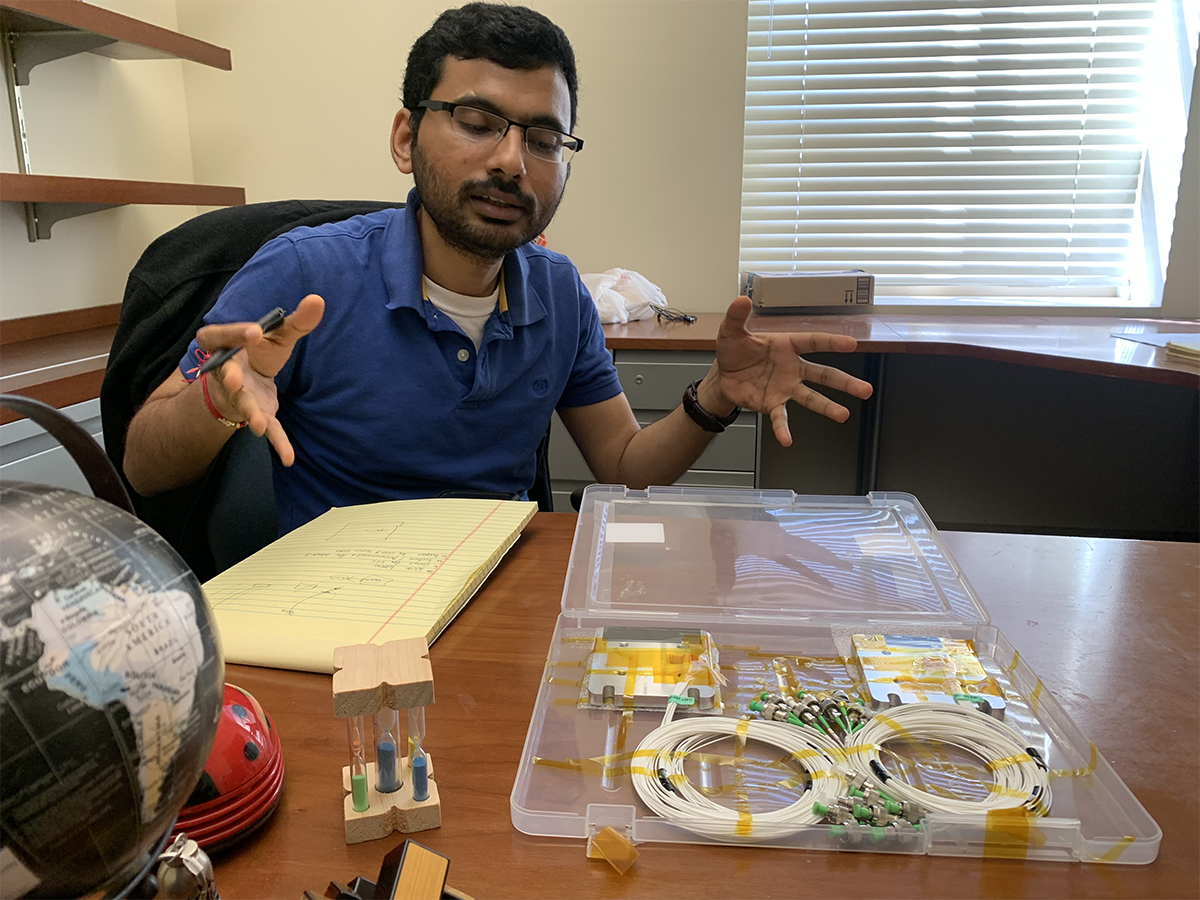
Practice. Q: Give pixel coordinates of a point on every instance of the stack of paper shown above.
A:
(361, 574)
(1184, 349)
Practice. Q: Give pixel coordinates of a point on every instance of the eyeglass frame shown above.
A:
(449, 107)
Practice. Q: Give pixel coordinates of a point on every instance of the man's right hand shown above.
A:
(246, 384)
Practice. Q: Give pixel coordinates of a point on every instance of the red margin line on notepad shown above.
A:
(417, 589)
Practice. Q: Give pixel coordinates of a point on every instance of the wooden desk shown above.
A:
(1050, 342)
(1110, 626)
(998, 423)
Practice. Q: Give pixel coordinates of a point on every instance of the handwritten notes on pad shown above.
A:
(361, 574)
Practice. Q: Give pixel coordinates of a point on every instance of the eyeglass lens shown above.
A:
(544, 143)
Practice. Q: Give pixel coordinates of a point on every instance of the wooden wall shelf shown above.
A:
(45, 30)
(58, 197)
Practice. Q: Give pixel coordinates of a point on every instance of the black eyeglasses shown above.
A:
(482, 126)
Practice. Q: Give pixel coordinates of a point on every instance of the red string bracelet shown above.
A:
(212, 409)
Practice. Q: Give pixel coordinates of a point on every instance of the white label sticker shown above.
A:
(635, 533)
(17, 879)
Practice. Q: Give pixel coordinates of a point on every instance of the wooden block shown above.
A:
(371, 677)
(388, 813)
(412, 872)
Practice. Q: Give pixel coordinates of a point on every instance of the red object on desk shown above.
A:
(242, 778)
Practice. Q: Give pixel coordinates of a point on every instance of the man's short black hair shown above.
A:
(514, 37)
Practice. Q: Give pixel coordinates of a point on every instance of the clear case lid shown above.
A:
(762, 555)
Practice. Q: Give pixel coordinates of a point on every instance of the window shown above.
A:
(973, 152)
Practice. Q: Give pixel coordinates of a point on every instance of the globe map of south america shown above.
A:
(111, 683)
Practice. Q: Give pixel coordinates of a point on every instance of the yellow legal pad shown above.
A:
(361, 574)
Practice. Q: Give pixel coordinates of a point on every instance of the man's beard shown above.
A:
(447, 210)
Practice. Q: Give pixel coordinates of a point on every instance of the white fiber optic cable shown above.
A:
(660, 781)
(1020, 779)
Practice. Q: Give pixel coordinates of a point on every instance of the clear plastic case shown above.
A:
(779, 583)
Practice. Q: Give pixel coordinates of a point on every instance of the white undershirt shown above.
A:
(469, 313)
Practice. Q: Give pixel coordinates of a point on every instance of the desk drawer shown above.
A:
(655, 380)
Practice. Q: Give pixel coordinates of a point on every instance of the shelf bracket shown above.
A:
(32, 48)
(43, 216)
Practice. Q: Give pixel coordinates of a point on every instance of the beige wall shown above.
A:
(103, 118)
(308, 108)
(306, 113)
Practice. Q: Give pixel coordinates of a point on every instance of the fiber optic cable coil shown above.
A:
(1020, 775)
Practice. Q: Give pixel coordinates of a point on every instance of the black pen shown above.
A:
(269, 322)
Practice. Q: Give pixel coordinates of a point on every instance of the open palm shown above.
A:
(762, 372)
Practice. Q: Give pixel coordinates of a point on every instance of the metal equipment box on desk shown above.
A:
(707, 601)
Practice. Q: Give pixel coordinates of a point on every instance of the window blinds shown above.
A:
(958, 151)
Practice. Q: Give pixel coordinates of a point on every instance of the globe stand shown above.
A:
(143, 883)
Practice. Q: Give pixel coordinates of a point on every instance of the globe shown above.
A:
(111, 683)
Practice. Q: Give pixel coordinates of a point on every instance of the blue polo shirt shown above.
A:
(387, 399)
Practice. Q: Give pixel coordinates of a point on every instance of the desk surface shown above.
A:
(1096, 619)
(1078, 345)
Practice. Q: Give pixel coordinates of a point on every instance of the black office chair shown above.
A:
(230, 512)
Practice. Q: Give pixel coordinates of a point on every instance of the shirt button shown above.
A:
(464, 355)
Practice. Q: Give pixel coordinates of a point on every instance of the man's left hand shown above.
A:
(762, 372)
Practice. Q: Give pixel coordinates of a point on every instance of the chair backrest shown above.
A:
(174, 284)
(230, 512)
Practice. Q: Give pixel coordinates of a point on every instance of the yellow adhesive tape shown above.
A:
(1014, 760)
(857, 748)
(1033, 698)
(924, 749)
(630, 689)
(993, 788)
(623, 730)
(1115, 853)
(1077, 773)
(1012, 666)
(802, 755)
(1008, 834)
(742, 801)
(739, 737)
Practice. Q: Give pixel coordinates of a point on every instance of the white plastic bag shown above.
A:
(622, 295)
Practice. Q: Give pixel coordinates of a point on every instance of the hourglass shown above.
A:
(385, 789)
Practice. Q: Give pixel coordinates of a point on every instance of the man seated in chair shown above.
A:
(426, 348)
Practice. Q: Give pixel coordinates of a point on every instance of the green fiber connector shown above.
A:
(857, 792)
(764, 695)
(837, 831)
(756, 706)
(820, 809)
(878, 833)
(892, 807)
(799, 693)
(792, 720)
(861, 812)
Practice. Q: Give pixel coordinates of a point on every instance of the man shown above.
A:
(432, 344)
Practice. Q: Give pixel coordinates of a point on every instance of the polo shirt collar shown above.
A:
(403, 266)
